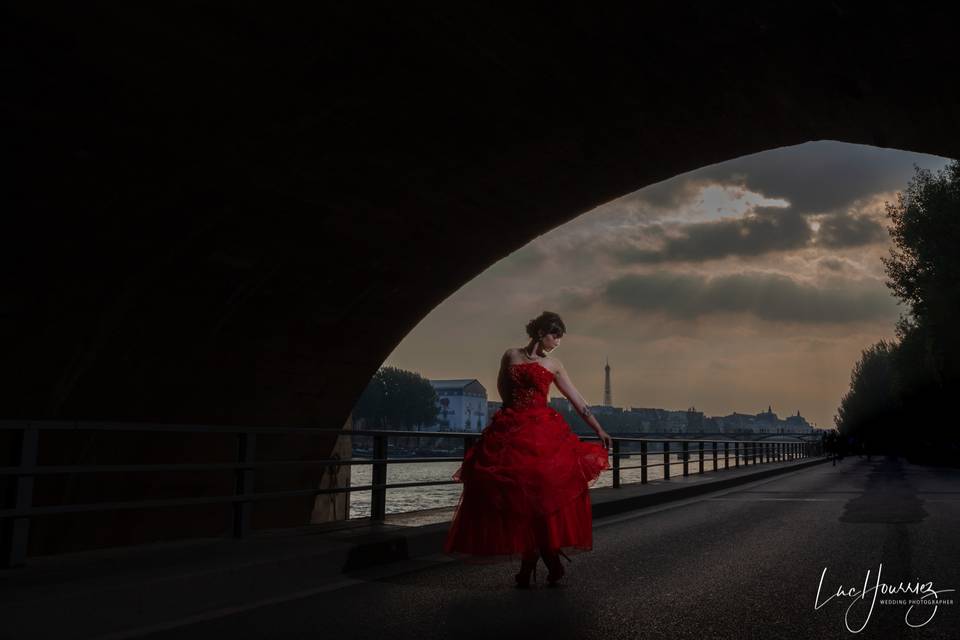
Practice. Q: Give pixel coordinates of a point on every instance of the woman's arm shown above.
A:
(502, 376)
(579, 404)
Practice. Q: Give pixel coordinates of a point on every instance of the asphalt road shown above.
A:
(742, 563)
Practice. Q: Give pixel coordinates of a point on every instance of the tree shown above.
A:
(924, 272)
(397, 399)
(867, 410)
(907, 387)
(924, 266)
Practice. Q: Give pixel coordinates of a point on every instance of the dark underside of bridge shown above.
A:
(231, 215)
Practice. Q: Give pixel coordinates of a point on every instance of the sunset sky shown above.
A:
(743, 284)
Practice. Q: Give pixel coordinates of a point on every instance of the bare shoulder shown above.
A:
(511, 355)
(554, 365)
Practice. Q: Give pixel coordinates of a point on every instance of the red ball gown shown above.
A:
(526, 481)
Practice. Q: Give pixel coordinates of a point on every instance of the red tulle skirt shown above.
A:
(526, 488)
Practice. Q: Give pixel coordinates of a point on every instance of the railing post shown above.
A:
(715, 455)
(666, 459)
(701, 457)
(616, 463)
(643, 462)
(16, 531)
(726, 455)
(686, 454)
(378, 495)
(246, 453)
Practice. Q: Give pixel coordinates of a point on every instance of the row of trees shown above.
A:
(396, 399)
(903, 392)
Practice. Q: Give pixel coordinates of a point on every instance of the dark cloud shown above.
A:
(816, 177)
(672, 193)
(842, 230)
(833, 264)
(766, 230)
(768, 296)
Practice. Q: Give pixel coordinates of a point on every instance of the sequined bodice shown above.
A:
(528, 387)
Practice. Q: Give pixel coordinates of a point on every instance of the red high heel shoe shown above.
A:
(552, 560)
(527, 566)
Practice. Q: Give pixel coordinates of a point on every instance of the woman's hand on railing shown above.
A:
(605, 438)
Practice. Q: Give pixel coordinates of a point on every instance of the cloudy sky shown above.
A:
(743, 284)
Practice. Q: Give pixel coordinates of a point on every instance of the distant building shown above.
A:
(604, 410)
(763, 422)
(653, 420)
(798, 423)
(649, 420)
(766, 422)
(462, 404)
(695, 420)
(676, 422)
(736, 423)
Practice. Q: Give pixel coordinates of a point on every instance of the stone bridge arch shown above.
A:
(233, 216)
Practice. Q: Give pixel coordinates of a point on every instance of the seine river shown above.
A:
(407, 499)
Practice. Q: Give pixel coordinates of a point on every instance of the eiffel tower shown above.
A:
(607, 394)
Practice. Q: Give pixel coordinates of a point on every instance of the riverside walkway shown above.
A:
(737, 554)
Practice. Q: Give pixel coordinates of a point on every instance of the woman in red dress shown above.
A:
(526, 480)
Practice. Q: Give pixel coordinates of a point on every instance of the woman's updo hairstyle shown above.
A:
(546, 322)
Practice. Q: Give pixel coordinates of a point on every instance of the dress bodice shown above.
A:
(528, 386)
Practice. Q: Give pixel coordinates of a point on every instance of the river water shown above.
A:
(406, 499)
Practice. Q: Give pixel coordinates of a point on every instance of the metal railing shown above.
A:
(15, 517)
